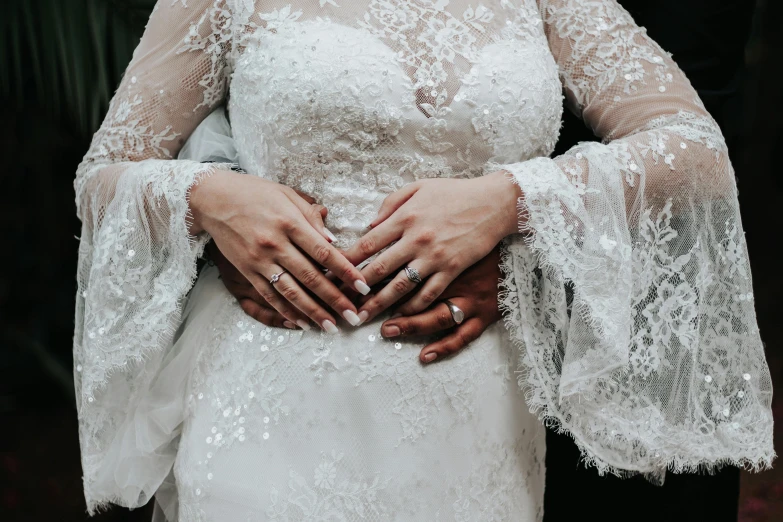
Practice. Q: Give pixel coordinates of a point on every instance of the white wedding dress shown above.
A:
(656, 362)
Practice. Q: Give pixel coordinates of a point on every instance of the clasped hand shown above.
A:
(439, 227)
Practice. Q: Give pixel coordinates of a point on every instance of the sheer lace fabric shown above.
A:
(657, 362)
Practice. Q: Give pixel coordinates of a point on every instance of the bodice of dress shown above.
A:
(350, 103)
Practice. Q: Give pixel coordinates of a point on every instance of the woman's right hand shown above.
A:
(264, 228)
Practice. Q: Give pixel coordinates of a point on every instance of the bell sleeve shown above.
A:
(137, 260)
(628, 289)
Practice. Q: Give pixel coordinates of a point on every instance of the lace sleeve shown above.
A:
(655, 359)
(136, 258)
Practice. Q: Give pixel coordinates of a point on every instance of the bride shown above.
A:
(425, 128)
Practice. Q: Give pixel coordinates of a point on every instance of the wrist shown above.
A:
(505, 195)
(201, 193)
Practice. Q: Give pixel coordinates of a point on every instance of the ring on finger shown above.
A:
(456, 312)
(413, 275)
(276, 277)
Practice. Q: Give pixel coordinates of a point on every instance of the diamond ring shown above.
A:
(413, 275)
(275, 278)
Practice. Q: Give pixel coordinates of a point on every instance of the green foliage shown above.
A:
(67, 56)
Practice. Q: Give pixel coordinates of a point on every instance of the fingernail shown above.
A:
(329, 327)
(329, 235)
(361, 287)
(364, 315)
(352, 318)
(289, 324)
(304, 325)
(391, 331)
(395, 316)
(430, 357)
(328, 274)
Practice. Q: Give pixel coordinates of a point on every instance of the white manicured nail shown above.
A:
(329, 327)
(304, 325)
(352, 318)
(364, 315)
(289, 324)
(329, 235)
(430, 357)
(361, 287)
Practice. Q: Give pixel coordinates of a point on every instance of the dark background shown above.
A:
(60, 61)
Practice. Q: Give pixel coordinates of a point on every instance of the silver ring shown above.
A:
(275, 278)
(456, 312)
(413, 275)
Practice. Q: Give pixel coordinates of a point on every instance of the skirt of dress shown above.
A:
(284, 425)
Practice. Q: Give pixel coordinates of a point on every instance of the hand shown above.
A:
(265, 228)
(248, 297)
(475, 292)
(441, 227)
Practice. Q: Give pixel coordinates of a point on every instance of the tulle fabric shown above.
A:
(137, 464)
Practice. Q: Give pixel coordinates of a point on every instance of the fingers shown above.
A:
(316, 282)
(463, 335)
(264, 315)
(388, 263)
(276, 301)
(315, 246)
(375, 240)
(305, 197)
(390, 294)
(290, 290)
(315, 215)
(430, 322)
(430, 291)
(393, 202)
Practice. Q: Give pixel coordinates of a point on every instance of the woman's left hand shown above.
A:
(441, 227)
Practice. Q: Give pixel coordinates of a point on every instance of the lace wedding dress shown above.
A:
(654, 363)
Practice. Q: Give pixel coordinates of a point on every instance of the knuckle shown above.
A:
(444, 319)
(425, 238)
(346, 273)
(438, 252)
(463, 339)
(309, 277)
(367, 246)
(336, 302)
(322, 254)
(400, 286)
(286, 224)
(428, 296)
(407, 220)
(409, 328)
(267, 295)
(290, 293)
(265, 242)
(378, 268)
(454, 264)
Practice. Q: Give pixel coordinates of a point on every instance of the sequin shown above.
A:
(708, 378)
(266, 435)
(746, 376)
